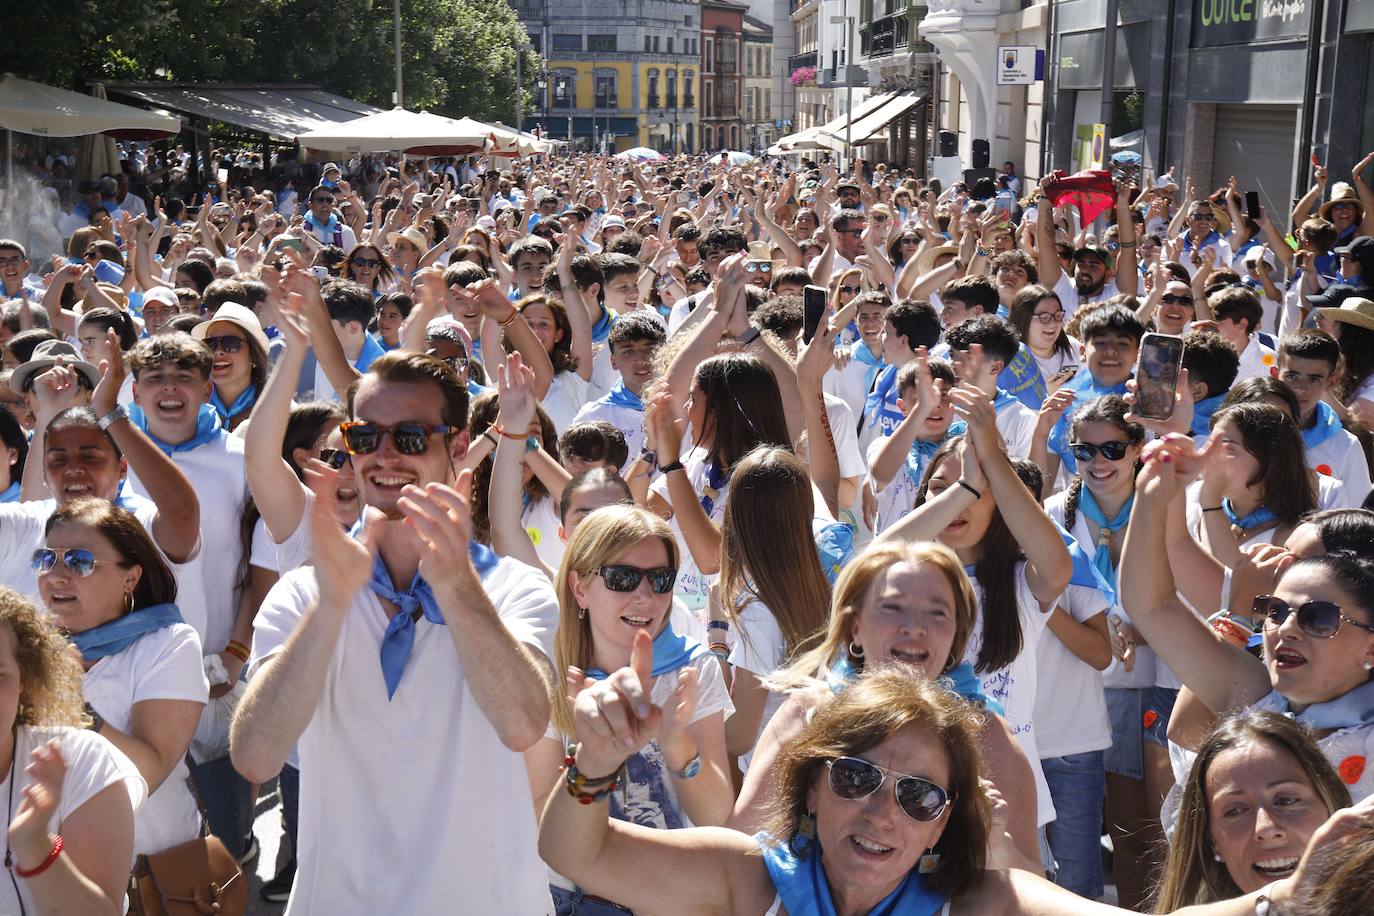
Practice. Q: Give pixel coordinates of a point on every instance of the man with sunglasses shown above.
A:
(324, 224)
(410, 696)
(1201, 233)
(172, 406)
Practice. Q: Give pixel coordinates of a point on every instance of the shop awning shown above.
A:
(399, 130)
(864, 127)
(35, 108)
(283, 112)
(809, 139)
(835, 126)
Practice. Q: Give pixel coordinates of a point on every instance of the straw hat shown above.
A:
(926, 262)
(410, 234)
(241, 316)
(45, 356)
(1355, 310)
(1342, 193)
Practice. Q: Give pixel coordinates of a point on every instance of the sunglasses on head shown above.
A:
(621, 578)
(1318, 619)
(1112, 451)
(1171, 299)
(363, 438)
(334, 457)
(228, 343)
(853, 779)
(78, 560)
(370, 263)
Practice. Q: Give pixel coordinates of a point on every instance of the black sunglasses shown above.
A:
(852, 290)
(853, 779)
(371, 263)
(1203, 218)
(321, 200)
(1171, 299)
(1112, 451)
(758, 267)
(363, 438)
(334, 457)
(228, 343)
(79, 560)
(1049, 317)
(1318, 619)
(621, 578)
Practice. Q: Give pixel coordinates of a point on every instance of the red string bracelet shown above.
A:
(43, 866)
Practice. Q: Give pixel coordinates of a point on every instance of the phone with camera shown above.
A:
(1156, 375)
(813, 310)
(1252, 204)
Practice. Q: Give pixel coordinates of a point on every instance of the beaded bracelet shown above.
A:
(578, 784)
(42, 866)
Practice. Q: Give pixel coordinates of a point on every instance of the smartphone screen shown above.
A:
(813, 309)
(1156, 375)
(293, 244)
(1252, 204)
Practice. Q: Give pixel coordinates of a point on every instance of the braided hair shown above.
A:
(1110, 408)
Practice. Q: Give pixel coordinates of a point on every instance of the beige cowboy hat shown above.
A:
(44, 357)
(926, 262)
(412, 235)
(1354, 310)
(1342, 193)
(241, 316)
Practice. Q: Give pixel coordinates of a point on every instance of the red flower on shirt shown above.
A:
(1324, 469)
(1351, 769)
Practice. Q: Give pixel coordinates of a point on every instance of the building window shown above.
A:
(600, 42)
(710, 63)
(655, 44)
(687, 100)
(706, 111)
(648, 44)
(706, 145)
(653, 88)
(567, 42)
(767, 103)
(671, 101)
(670, 44)
(564, 88)
(605, 89)
(537, 42)
(687, 19)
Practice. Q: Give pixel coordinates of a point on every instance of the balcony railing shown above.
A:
(653, 100)
(801, 60)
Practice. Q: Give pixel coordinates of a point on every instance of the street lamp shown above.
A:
(520, 50)
(848, 22)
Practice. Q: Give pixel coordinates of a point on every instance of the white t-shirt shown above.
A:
(604, 375)
(93, 765)
(1015, 685)
(629, 421)
(850, 383)
(895, 499)
(1341, 456)
(1069, 297)
(216, 470)
(1256, 360)
(758, 646)
(1070, 708)
(692, 583)
(370, 794)
(1016, 424)
(846, 432)
(567, 393)
(540, 520)
(1058, 360)
(162, 665)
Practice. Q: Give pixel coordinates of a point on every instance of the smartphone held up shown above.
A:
(1156, 375)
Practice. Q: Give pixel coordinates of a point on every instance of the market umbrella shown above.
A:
(419, 133)
(640, 154)
(735, 157)
(98, 155)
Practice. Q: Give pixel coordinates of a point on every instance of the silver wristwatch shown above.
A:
(113, 417)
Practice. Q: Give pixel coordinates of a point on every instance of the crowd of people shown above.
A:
(587, 536)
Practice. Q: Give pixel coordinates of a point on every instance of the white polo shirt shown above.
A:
(413, 805)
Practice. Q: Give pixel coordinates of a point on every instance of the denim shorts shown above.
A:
(1159, 705)
(1076, 786)
(1126, 708)
(577, 903)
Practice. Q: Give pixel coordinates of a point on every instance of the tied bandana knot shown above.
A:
(417, 600)
(1260, 518)
(602, 329)
(1327, 425)
(801, 884)
(717, 479)
(620, 396)
(208, 429)
(872, 364)
(921, 451)
(116, 635)
(1085, 573)
(671, 652)
(242, 403)
(1102, 557)
(326, 228)
(960, 679)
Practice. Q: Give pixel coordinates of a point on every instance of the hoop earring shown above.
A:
(856, 650)
(128, 602)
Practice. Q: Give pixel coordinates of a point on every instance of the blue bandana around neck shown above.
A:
(717, 479)
(11, 493)
(1003, 399)
(872, 364)
(114, 636)
(370, 352)
(328, 228)
(802, 886)
(242, 403)
(921, 451)
(671, 652)
(399, 638)
(1085, 573)
(208, 429)
(620, 396)
(880, 407)
(1256, 519)
(1102, 557)
(1327, 425)
(1349, 710)
(1212, 238)
(960, 679)
(1022, 378)
(602, 329)
(1202, 414)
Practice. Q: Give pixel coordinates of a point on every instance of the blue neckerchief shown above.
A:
(242, 403)
(921, 451)
(1327, 425)
(960, 679)
(1021, 377)
(476, 390)
(370, 352)
(602, 329)
(1087, 388)
(328, 228)
(1349, 710)
(1256, 519)
(620, 396)
(803, 889)
(1212, 238)
(717, 479)
(399, 638)
(834, 546)
(114, 636)
(1085, 573)
(1202, 413)
(880, 407)
(11, 494)
(386, 347)
(671, 652)
(1102, 557)
(1002, 399)
(872, 364)
(208, 429)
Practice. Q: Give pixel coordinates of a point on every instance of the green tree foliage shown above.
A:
(458, 55)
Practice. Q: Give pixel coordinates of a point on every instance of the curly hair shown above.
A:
(49, 673)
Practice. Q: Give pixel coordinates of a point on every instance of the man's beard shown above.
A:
(1084, 290)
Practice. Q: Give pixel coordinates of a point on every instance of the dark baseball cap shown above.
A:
(1361, 249)
(1093, 251)
(1335, 294)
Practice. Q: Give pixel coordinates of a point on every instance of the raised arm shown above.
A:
(1046, 253)
(1366, 194)
(1127, 277)
(813, 360)
(278, 494)
(579, 311)
(515, 387)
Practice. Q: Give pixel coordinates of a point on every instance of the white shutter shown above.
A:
(1255, 143)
